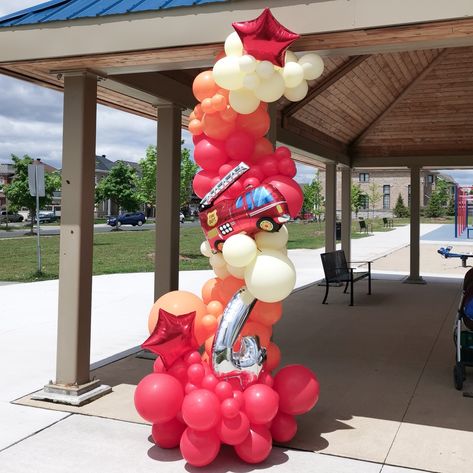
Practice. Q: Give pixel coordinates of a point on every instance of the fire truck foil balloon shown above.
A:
(255, 209)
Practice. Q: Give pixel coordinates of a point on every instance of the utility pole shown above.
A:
(37, 188)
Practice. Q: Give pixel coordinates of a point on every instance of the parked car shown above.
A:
(46, 217)
(129, 218)
(11, 217)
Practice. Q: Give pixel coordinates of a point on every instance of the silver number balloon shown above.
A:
(247, 363)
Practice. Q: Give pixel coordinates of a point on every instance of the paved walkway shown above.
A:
(121, 304)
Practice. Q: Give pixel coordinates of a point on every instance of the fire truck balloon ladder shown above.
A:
(223, 185)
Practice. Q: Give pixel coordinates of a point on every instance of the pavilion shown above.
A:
(397, 91)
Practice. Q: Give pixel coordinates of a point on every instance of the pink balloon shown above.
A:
(195, 373)
(209, 382)
(283, 427)
(189, 387)
(261, 403)
(287, 167)
(239, 397)
(257, 445)
(158, 397)
(235, 430)
(201, 410)
(202, 182)
(230, 408)
(240, 145)
(269, 166)
(168, 434)
(199, 448)
(224, 390)
(193, 357)
(210, 154)
(290, 190)
(298, 389)
(282, 152)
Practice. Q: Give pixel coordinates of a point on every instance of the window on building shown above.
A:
(365, 202)
(386, 197)
(430, 178)
(409, 195)
(363, 177)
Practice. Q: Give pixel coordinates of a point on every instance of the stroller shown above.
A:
(464, 338)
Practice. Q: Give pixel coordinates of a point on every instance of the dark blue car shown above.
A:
(130, 218)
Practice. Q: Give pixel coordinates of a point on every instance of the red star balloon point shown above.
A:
(265, 38)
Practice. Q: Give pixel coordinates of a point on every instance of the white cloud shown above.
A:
(464, 177)
(12, 6)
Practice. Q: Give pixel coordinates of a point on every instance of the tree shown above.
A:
(451, 206)
(120, 185)
(18, 193)
(357, 198)
(147, 182)
(435, 208)
(374, 196)
(188, 171)
(400, 210)
(313, 198)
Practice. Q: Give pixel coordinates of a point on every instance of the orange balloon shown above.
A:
(228, 114)
(176, 303)
(209, 322)
(266, 313)
(204, 86)
(211, 290)
(204, 327)
(199, 114)
(195, 127)
(273, 357)
(231, 285)
(216, 127)
(207, 106)
(208, 345)
(215, 308)
(263, 147)
(192, 116)
(219, 102)
(254, 328)
(224, 92)
(256, 123)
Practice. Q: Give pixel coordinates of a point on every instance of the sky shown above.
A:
(31, 123)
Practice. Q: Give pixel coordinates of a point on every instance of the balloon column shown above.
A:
(229, 394)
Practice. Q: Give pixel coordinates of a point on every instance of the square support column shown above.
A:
(346, 212)
(414, 274)
(166, 273)
(330, 206)
(73, 384)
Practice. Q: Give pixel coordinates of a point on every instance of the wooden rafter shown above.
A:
(408, 90)
(331, 79)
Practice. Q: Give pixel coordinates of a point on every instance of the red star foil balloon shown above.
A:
(265, 38)
(172, 337)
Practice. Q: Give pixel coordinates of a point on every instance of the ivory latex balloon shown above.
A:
(313, 66)
(291, 57)
(265, 69)
(251, 81)
(239, 250)
(272, 241)
(294, 94)
(233, 45)
(221, 272)
(236, 272)
(293, 74)
(243, 101)
(205, 249)
(247, 64)
(227, 73)
(217, 261)
(271, 89)
(271, 277)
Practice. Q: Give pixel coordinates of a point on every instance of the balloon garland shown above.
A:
(228, 394)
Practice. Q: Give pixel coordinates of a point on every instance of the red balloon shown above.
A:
(287, 167)
(298, 389)
(202, 182)
(240, 145)
(210, 154)
(201, 409)
(179, 371)
(224, 390)
(189, 387)
(209, 382)
(283, 427)
(224, 170)
(263, 147)
(256, 123)
(192, 357)
(234, 190)
(269, 166)
(251, 182)
(239, 397)
(235, 430)
(257, 445)
(168, 434)
(158, 365)
(261, 403)
(254, 171)
(199, 448)
(158, 397)
(290, 190)
(195, 373)
(230, 408)
(282, 152)
(266, 378)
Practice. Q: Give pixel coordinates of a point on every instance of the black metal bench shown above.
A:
(365, 227)
(337, 271)
(388, 222)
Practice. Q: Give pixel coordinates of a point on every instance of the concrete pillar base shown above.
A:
(72, 395)
(414, 280)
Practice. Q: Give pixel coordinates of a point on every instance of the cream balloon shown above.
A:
(217, 261)
(294, 94)
(243, 101)
(239, 250)
(236, 272)
(265, 69)
(233, 45)
(205, 249)
(313, 66)
(227, 73)
(251, 81)
(290, 57)
(221, 272)
(271, 277)
(293, 74)
(271, 89)
(272, 240)
(247, 63)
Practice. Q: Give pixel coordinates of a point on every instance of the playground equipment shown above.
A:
(463, 202)
(447, 253)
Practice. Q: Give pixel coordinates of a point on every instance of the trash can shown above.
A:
(338, 230)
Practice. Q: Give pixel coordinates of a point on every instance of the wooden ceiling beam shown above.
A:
(331, 79)
(408, 90)
(409, 159)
